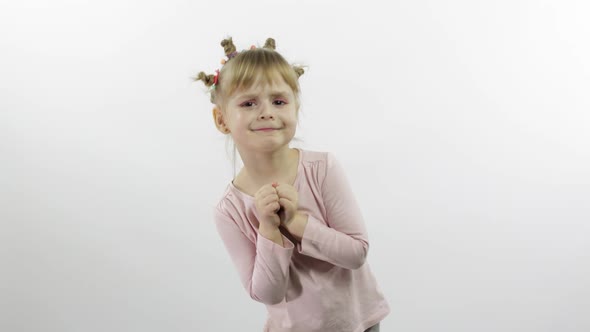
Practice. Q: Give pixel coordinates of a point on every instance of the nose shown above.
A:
(266, 111)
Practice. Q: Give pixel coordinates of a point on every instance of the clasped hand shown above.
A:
(277, 204)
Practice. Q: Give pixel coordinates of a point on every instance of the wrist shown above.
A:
(262, 227)
(272, 233)
(289, 223)
(296, 226)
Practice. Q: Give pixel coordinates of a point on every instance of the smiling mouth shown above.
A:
(267, 129)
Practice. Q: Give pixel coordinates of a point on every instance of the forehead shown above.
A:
(276, 86)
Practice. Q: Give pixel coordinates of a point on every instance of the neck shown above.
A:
(263, 167)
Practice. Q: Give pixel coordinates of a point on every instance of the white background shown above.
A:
(463, 127)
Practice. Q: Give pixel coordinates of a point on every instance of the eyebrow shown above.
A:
(272, 94)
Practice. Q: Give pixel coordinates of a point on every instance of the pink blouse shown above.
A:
(323, 283)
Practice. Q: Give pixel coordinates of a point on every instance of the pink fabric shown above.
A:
(323, 283)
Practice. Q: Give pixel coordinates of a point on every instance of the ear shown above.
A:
(220, 120)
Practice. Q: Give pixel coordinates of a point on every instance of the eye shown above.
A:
(280, 102)
(248, 103)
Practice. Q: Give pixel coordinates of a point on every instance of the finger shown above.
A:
(273, 206)
(287, 204)
(269, 199)
(265, 191)
(282, 187)
(287, 192)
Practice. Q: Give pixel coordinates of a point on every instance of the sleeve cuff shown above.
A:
(310, 233)
(274, 247)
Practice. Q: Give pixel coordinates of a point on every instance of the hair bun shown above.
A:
(228, 46)
(298, 70)
(270, 43)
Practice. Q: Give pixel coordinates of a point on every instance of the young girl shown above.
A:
(289, 219)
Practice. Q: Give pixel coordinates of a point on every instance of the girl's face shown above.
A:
(263, 105)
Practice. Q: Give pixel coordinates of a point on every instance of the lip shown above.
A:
(266, 129)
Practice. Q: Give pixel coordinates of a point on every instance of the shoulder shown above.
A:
(315, 157)
(230, 204)
(234, 213)
(228, 207)
(320, 165)
(322, 160)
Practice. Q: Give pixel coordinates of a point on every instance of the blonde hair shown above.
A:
(243, 69)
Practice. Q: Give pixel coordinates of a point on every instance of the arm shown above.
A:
(263, 267)
(271, 233)
(344, 241)
(296, 226)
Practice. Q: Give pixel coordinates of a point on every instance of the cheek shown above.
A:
(239, 117)
(293, 116)
(243, 121)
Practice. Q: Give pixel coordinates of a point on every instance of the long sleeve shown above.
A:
(344, 241)
(263, 267)
(319, 278)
